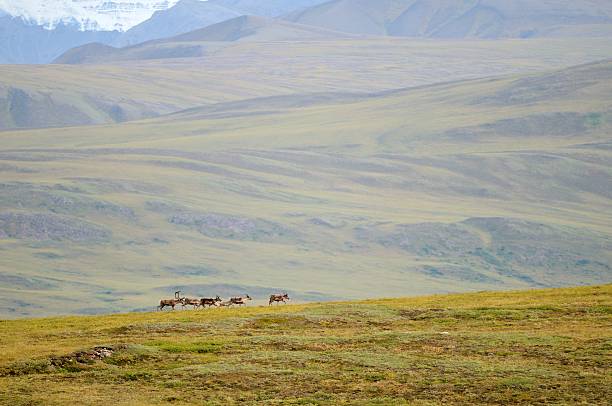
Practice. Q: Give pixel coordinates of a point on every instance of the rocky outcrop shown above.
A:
(40, 227)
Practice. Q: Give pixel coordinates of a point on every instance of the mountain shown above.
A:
(462, 18)
(185, 16)
(139, 87)
(190, 15)
(478, 184)
(22, 42)
(40, 31)
(123, 15)
(252, 28)
(267, 8)
(88, 15)
(200, 42)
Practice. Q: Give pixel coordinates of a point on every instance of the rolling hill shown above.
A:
(479, 184)
(462, 19)
(190, 15)
(544, 346)
(131, 86)
(197, 43)
(254, 28)
(39, 33)
(26, 42)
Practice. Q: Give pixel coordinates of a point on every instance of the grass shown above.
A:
(340, 187)
(76, 95)
(546, 346)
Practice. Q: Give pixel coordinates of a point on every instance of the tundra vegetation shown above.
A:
(481, 184)
(529, 347)
(330, 153)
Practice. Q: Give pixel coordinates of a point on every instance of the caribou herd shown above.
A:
(215, 302)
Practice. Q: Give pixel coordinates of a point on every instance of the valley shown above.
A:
(143, 82)
(305, 202)
(292, 193)
(337, 150)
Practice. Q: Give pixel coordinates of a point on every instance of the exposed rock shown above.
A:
(228, 226)
(57, 199)
(83, 357)
(329, 223)
(38, 226)
(550, 124)
(433, 239)
(459, 273)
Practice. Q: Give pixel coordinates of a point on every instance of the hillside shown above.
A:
(462, 19)
(269, 8)
(36, 31)
(480, 184)
(190, 15)
(254, 28)
(198, 43)
(36, 96)
(549, 346)
(41, 36)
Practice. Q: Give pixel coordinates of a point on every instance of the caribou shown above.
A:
(210, 302)
(171, 302)
(191, 302)
(239, 300)
(217, 301)
(278, 298)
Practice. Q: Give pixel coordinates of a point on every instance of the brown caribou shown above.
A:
(239, 300)
(279, 298)
(210, 302)
(169, 303)
(191, 302)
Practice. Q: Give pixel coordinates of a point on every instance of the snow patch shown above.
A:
(94, 15)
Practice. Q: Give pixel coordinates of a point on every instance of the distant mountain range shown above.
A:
(189, 15)
(37, 33)
(88, 15)
(29, 38)
(462, 18)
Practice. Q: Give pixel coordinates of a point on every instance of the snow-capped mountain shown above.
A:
(89, 15)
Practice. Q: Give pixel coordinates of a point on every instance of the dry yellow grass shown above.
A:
(521, 347)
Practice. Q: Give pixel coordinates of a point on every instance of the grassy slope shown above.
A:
(340, 188)
(57, 95)
(547, 346)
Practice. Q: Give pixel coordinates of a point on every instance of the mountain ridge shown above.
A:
(460, 19)
(441, 19)
(238, 29)
(24, 39)
(87, 15)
